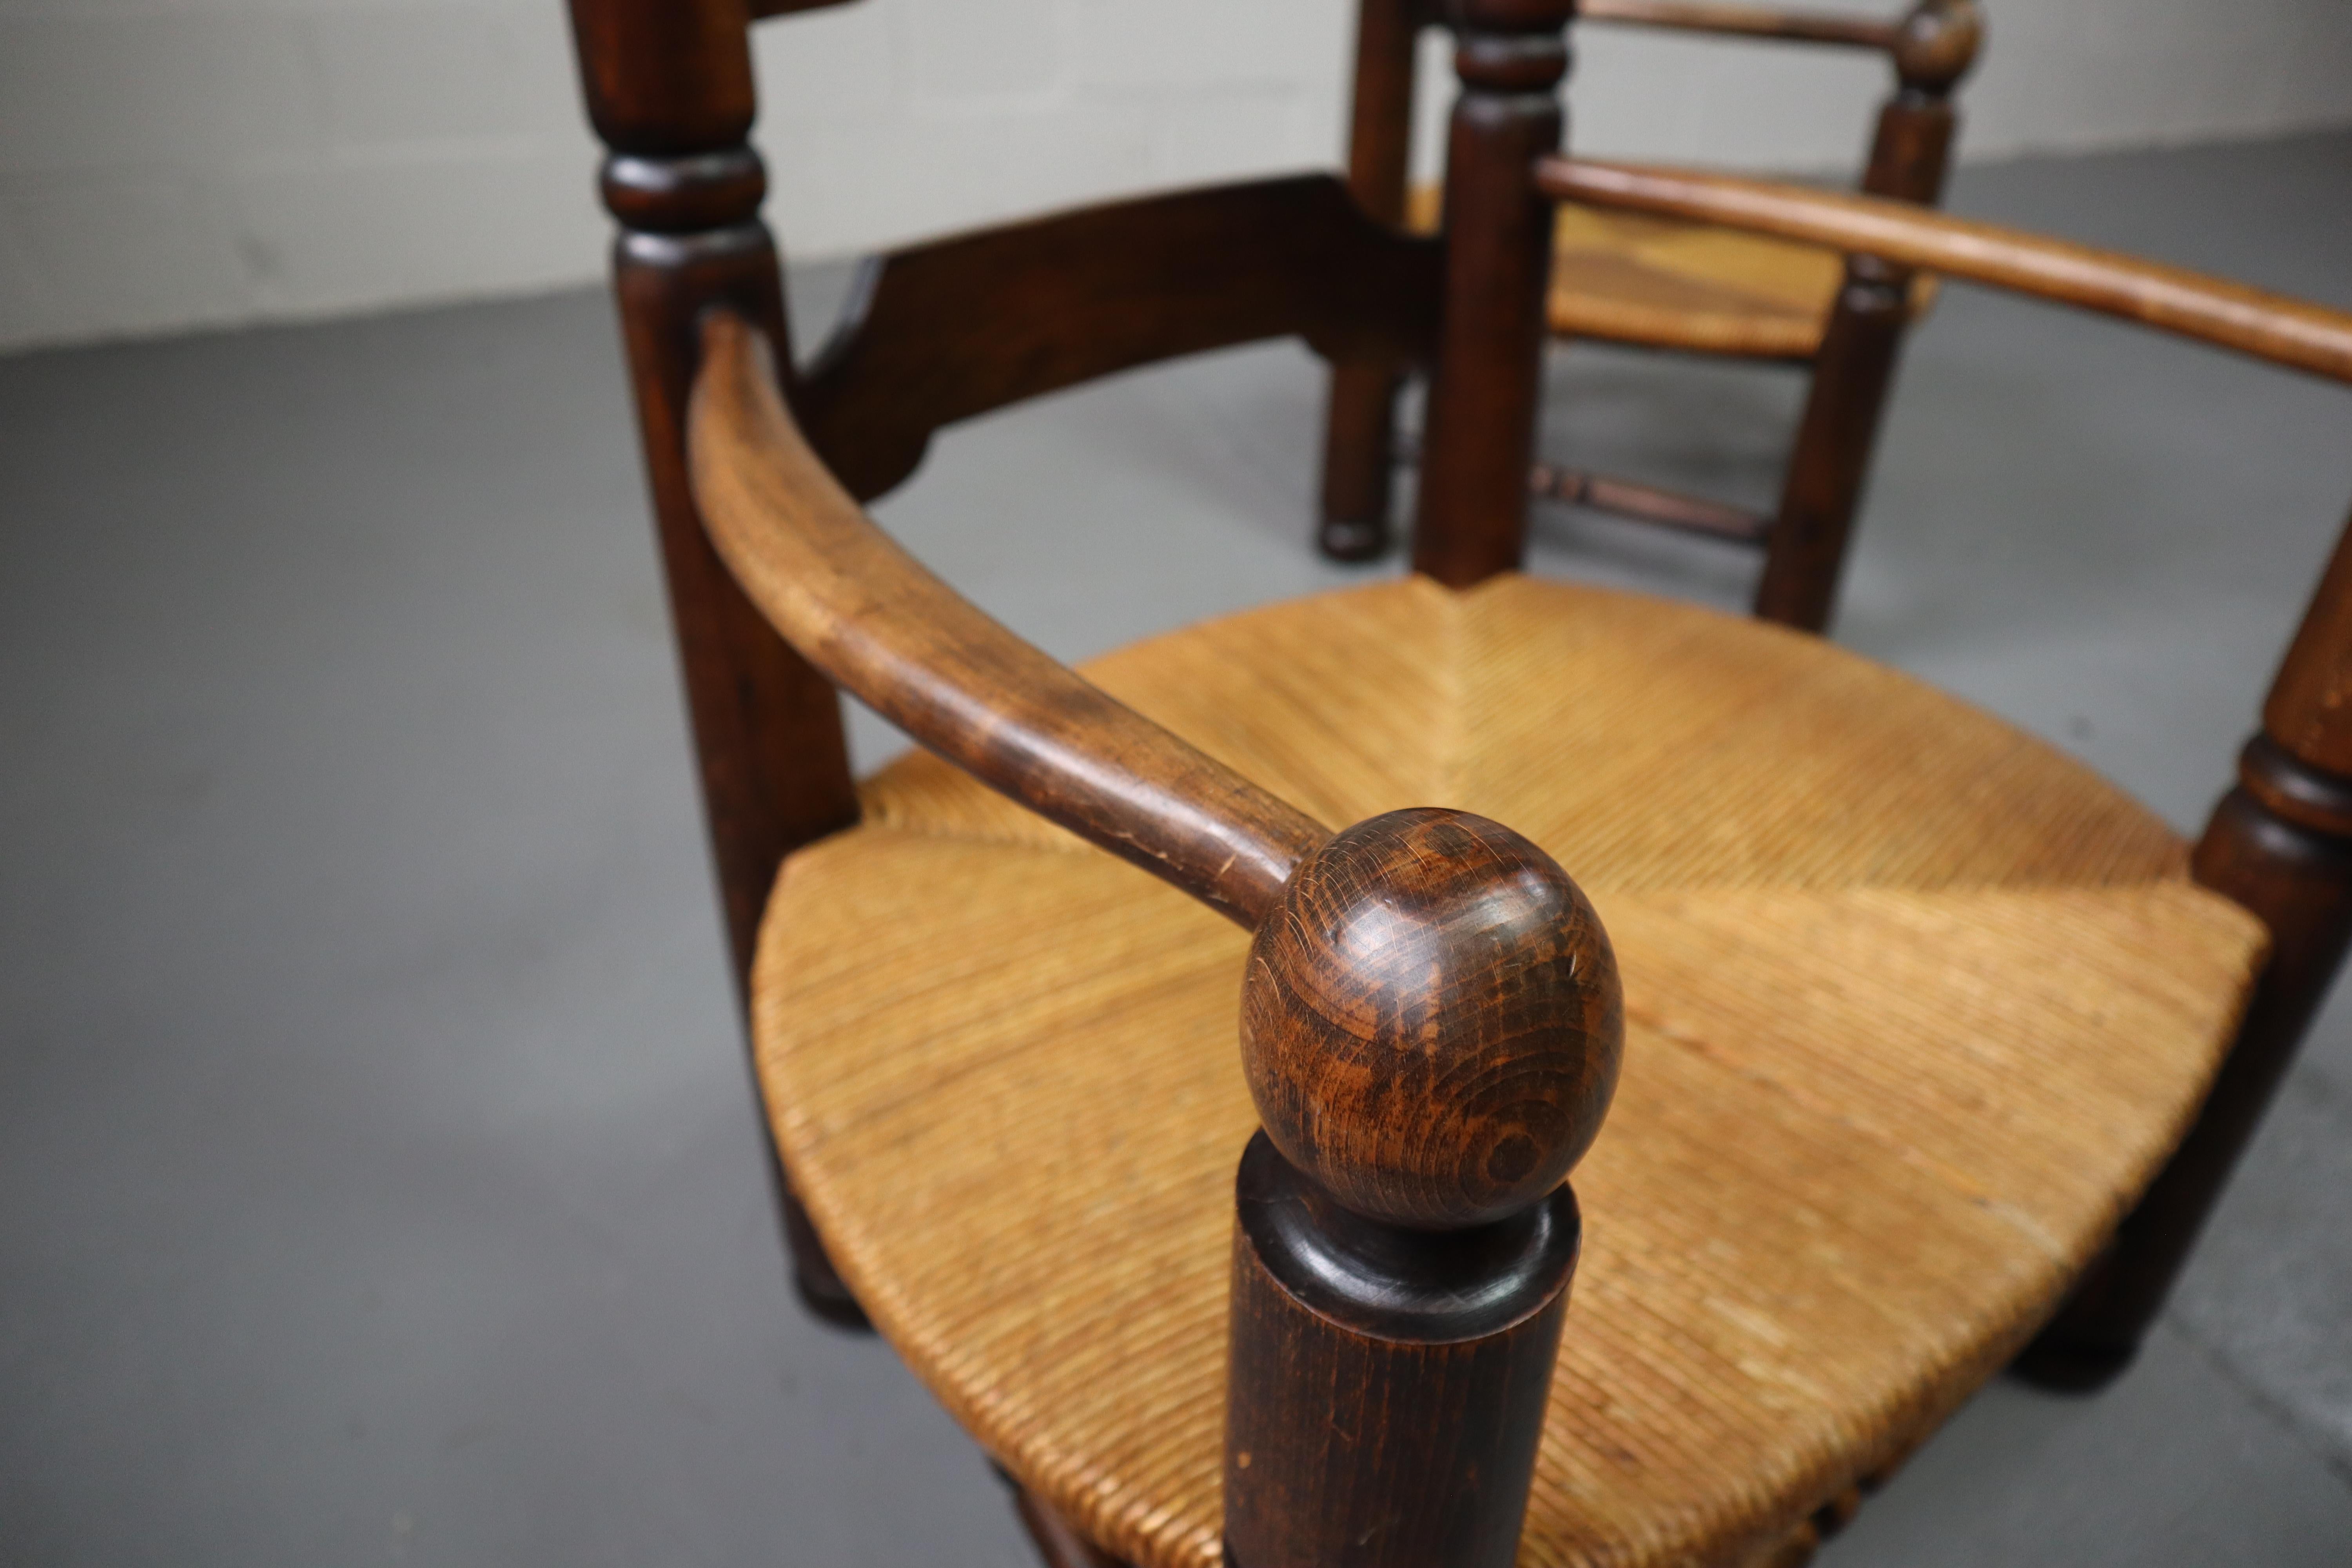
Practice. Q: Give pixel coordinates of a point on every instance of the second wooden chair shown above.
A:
(1690, 287)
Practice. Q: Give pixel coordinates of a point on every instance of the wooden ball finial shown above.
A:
(1937, 42)
(1431, 1020)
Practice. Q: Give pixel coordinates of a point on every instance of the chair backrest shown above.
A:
(942, 332)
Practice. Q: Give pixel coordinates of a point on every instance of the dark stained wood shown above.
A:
(1936, 43)
(767, 728)
(1471, 515)
(947, 331)
(1431, 1025)
(2294, 333)
(1371, 1420)
(1821, 494)
(762, 8)
(669, 89)
(1805, 549)
(1647, 503)
(1358, 492)
(1430, 1028)
(1360, 428)
(665, 79)
(868, 615)
(2280, 844)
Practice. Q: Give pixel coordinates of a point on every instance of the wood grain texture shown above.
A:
(1430, 1025)
(2273, 327)
(767, 728)
(1386, 1389)
(942, 332)
(869, 615)
(1472, 510)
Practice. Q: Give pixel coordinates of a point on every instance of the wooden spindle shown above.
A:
(1430, 1028)
(1471, 518)
(2280, 842)
(669, 91)
(1359, 426)
(1830, 463)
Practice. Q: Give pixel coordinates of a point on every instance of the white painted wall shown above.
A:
(167, 163)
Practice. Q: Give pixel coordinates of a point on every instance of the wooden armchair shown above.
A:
(1913, 1012)
(1657, 281)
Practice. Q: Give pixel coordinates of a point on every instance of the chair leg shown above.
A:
(1478, 445)
(1358, 461)
(2280, 844)
(1805, 552)
(2295, 872)
(1358, 436)
(1908, 157)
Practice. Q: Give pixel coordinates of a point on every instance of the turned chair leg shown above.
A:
(669, 90)
(1358, 461)
(2281, 845)
(1359, 429)
(1471, 515)
(1822, 495)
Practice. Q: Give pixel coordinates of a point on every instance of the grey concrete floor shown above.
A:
(378, 1181)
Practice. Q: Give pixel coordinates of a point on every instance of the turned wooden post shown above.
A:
(1805, 551)
(1471, 518)
(1431, 1027)
(1360, 425)
(2280, 844)
(668, 85)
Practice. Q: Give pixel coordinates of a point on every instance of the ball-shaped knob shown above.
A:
(1937, 42)
(1431, 1021)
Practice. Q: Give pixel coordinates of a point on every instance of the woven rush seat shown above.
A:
(1629, 278)
(1915, 1003)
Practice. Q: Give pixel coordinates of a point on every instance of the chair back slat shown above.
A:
(942, 332)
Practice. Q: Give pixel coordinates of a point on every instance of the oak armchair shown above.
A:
(1896, 1017)
(1660, 281)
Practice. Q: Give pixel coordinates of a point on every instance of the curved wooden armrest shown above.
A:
(867, 613)
(2273, 327)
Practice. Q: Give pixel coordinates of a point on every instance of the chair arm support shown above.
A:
(2273, 327)
(870, 616)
